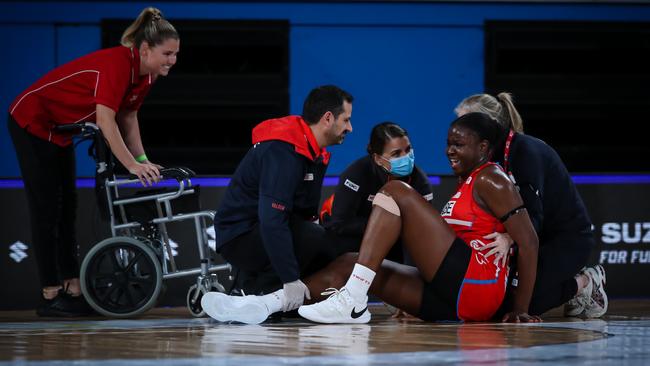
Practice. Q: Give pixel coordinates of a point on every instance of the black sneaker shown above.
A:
(64, 305)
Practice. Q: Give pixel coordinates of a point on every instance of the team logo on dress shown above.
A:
(278, 206)
(309, 176)
(134, 97)
(17, 251)
(448, 209)
(353, 186)
(478, 255)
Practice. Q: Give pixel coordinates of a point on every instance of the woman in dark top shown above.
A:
(390, 157)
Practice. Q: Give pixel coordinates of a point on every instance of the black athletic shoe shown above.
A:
(64, 305)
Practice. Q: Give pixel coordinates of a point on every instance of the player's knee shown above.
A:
(387, 203)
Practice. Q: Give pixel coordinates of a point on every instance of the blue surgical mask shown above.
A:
(402, 166)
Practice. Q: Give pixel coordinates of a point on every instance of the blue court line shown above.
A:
(332, 181)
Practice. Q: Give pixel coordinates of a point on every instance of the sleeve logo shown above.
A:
(353, 186)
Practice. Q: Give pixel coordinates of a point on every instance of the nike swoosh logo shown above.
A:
(355, 314)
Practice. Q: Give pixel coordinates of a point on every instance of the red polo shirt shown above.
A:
(70, 93)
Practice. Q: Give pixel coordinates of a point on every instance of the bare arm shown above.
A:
(497, 192)
(130, 130)
(106, 120)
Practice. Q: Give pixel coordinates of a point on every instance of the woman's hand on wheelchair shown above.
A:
(154, 164)
(147, 173)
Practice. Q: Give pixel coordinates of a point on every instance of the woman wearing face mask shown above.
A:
(390, 157)
(106, 87)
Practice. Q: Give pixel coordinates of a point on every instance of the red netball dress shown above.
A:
(484, 286)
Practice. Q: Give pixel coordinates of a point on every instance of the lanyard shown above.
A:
(506, 152)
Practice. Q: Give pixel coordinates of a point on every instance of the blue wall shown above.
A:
(410, 62)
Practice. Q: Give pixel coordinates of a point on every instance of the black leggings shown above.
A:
(49, 173)
(559, 260)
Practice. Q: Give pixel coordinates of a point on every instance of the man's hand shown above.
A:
(294, 295)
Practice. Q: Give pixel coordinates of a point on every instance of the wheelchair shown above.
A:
(122, 276)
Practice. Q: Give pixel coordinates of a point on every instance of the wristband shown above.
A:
(142, 158)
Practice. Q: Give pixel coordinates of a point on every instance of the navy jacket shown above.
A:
(281, 175)
(551, 198)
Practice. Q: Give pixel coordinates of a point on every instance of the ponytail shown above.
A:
(150, 27)
(500, 109)
(509, 112)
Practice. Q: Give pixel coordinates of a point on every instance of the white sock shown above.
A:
(359, 282)
(273, 301)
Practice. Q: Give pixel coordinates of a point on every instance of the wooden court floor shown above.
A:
(170, 336)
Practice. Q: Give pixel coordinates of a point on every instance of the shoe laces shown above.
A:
(336, 298)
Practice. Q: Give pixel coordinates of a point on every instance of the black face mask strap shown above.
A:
(512, 212)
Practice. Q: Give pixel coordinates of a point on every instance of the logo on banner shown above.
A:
(622, 234)
(17, 251)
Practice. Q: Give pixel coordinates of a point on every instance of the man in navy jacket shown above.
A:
(265, 221)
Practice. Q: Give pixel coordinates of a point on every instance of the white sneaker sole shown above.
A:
(310, 314)
(226, 308)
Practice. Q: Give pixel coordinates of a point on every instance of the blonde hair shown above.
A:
(150, 27)
(500, 108)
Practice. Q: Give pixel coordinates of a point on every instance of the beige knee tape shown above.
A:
(387, 203)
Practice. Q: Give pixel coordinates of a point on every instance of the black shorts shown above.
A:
(440, 295)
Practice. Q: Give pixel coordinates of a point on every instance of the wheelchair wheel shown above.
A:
(121, 277)
(194, 305)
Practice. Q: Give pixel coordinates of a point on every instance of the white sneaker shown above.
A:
(576, 306)
(592, 301)
(597, 303)
(244, 309)
(340, 307)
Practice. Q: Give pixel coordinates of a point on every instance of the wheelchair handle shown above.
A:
(177, 173)
(74, 127)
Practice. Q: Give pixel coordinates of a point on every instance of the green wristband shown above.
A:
(142, 158)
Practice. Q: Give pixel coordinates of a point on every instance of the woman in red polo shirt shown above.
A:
(106, 87)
